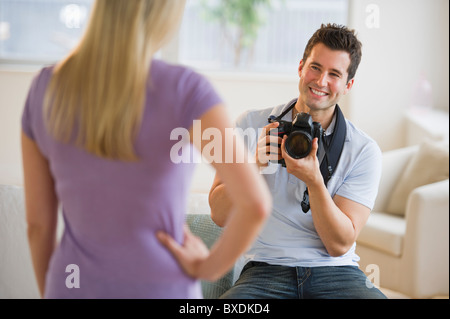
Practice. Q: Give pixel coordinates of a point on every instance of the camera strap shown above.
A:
(333, 151)
(286, 111)
(334, 148)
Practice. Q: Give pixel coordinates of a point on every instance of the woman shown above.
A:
(96, 141)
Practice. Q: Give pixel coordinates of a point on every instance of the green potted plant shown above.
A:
(239, 20)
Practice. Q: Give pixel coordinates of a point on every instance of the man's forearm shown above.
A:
(335, 228)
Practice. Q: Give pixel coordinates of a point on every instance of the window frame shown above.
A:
(171, 53)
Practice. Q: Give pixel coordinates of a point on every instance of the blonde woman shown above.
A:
(96, 141)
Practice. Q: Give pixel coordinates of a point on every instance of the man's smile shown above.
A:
(318, 92)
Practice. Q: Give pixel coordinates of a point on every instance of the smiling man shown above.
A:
(320, 201)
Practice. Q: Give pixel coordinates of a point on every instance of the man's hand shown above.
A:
(306, 169)
(190, 254)
(267, 148)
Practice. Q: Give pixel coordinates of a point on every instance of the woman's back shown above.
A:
(112, 209)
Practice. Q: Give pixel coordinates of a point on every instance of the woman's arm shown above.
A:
(251, 202)
(41, 208)
(220, 204)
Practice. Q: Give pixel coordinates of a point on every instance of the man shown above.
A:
(307, 248)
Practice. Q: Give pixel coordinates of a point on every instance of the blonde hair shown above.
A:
(96, 95)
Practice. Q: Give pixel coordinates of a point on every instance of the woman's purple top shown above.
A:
(112, 209)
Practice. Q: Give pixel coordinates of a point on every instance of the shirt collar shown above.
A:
(283, 107)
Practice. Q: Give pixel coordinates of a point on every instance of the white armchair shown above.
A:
(411, 249)
(16, 271)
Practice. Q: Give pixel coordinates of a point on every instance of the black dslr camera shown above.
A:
(300, 132)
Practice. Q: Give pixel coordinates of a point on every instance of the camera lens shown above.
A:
(298, 145)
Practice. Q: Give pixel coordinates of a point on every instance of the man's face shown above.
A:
(323, 78)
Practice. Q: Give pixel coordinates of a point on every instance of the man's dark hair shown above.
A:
(337, 37)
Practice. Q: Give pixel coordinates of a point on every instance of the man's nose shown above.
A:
(322, 80)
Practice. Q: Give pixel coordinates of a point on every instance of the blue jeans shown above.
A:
(263, 281)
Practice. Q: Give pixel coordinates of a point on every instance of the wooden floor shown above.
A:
(397, 295)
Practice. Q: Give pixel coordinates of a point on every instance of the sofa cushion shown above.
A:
(384, 232)
(429, 165)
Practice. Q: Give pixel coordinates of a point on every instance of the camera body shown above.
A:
(300, 132)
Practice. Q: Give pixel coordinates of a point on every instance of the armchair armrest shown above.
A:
(427, 237)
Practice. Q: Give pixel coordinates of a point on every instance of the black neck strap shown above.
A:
(280, 117)
(334, 149)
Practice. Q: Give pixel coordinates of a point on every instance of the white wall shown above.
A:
(14, 86)
(412, 38)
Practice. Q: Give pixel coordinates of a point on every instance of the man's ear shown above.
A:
(300, 68)
(349, 86)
